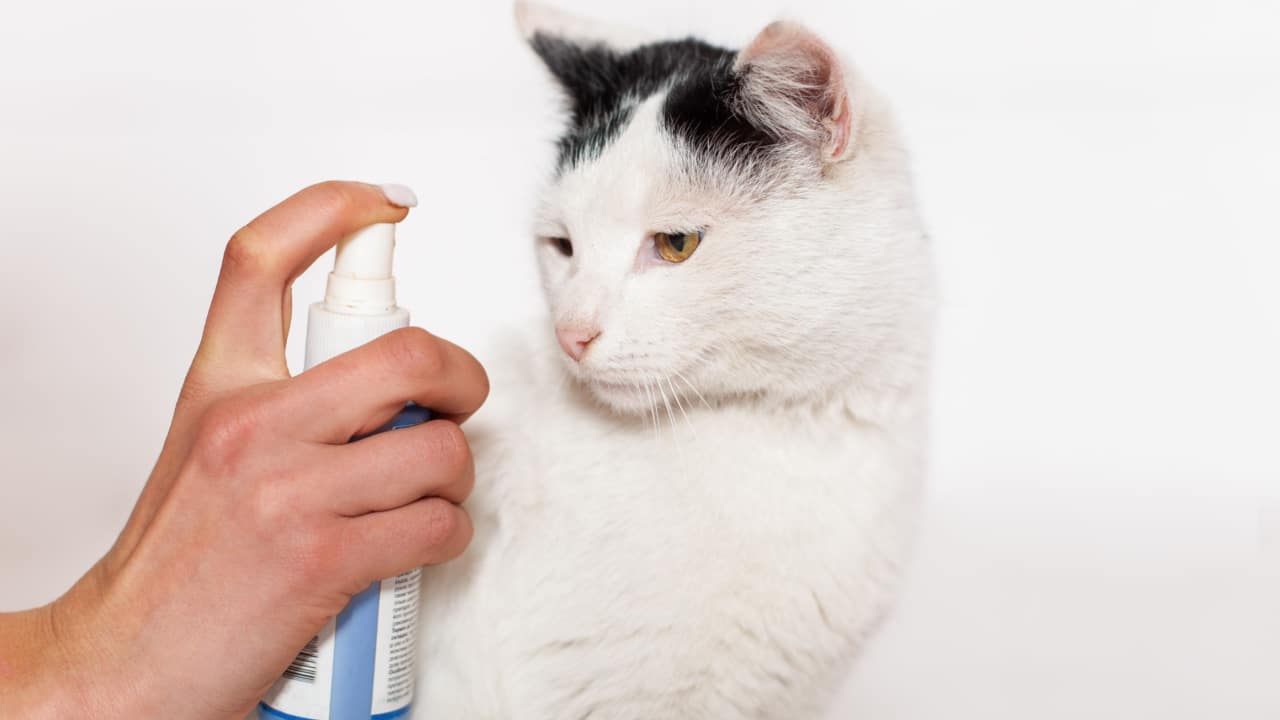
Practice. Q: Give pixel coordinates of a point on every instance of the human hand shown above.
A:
(259, 521)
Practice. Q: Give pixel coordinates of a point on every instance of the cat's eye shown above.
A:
(676, 247)
(563, 245)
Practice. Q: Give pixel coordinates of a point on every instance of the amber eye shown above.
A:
(676, 247)
(563, 245)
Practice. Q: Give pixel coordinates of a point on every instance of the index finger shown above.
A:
(354, 393)
(244, 332)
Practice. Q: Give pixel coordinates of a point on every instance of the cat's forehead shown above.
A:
(644, 177)
(627, 179)
(605, 87)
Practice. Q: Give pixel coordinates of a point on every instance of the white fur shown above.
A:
(708, 515)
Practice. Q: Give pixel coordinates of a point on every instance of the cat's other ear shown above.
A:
(535, 18)
(794, 86)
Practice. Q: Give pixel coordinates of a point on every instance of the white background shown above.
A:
(1103, 536)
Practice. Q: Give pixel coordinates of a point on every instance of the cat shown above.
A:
(697, 484)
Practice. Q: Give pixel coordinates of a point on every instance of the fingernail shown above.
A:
(399, 195)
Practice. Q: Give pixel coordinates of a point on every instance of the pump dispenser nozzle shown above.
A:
(360, 299)
(361, 282)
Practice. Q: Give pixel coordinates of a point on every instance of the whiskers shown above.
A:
(693, 388)
(653, 408)
(659, 396)
(676, 396)
(653, 393)
(662, 399)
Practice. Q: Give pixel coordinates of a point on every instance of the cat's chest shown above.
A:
(591, 517)
(679, 475)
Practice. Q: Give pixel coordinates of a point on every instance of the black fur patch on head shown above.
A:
(605, 85)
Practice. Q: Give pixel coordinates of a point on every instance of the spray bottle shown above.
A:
(361, 665)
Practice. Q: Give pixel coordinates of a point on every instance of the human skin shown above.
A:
(260, 520)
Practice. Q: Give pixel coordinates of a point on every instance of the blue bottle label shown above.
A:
(361, 664)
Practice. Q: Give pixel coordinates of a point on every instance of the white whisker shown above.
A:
(670, 416)
(653, 408)
(675, 395)
(675, 436)
(688, 384)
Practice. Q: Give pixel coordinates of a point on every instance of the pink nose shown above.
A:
(575, 339)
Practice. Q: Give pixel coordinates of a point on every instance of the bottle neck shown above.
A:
(360, 296)
(331, 333)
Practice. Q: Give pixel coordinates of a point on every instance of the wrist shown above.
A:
(95, 658)
(53, 662)
(31, 663)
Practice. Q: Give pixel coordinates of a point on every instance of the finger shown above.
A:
(358, 391)
(244, 329)
(385, 544)
(396, 468)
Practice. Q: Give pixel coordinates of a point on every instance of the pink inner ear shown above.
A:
(839, 126)
(813, 77)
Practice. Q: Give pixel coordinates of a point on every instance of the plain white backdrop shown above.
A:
(1100, 177)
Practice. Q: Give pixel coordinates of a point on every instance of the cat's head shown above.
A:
(705, 234)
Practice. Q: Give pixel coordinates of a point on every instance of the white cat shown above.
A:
(698, 506)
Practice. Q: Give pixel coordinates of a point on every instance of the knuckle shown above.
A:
(449, 445)
(225, 436)
(442, 524)
(448, 448)
(248, 253)
(416, 349)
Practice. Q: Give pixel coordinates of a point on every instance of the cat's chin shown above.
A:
(620, 398)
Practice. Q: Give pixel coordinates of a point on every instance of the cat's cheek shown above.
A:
(554, 270)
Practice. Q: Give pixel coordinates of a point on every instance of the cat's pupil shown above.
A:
(564, 246)
(677, 242)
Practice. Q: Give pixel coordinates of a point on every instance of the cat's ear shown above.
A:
(794, 86)
(535, 18)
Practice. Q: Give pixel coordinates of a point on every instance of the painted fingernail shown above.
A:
(399, 195)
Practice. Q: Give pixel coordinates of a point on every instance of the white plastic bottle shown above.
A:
(361, 665)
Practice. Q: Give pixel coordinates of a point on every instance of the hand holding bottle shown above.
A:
(259, 521)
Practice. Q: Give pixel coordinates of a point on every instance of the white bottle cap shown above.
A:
(360, 298)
